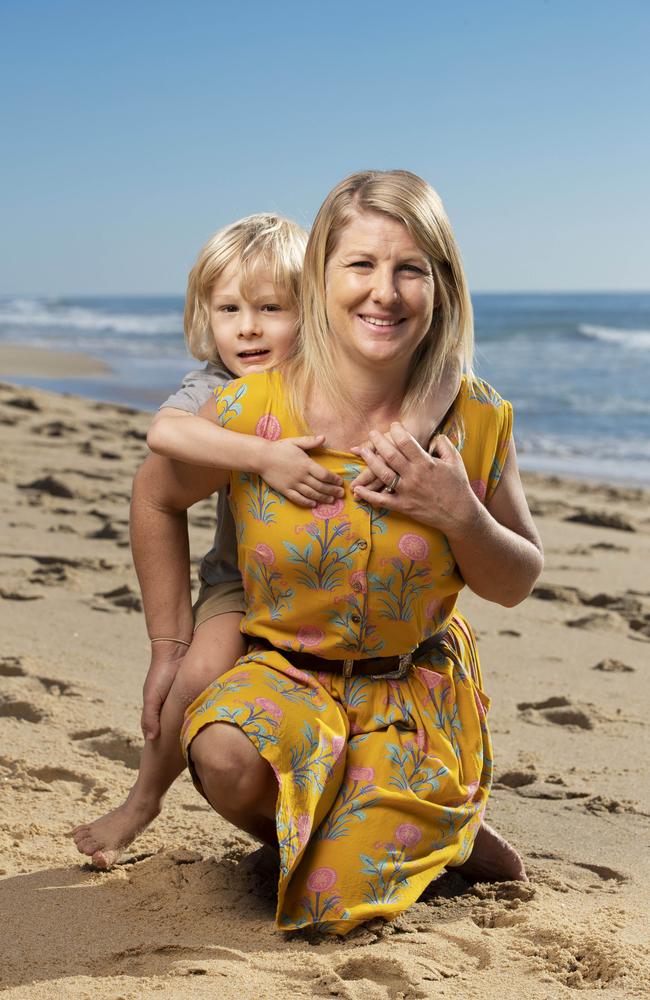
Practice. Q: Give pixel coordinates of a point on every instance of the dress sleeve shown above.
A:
(244, 405)
(485, 429)
(503, 438)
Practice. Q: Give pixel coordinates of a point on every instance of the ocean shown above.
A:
(576, 367)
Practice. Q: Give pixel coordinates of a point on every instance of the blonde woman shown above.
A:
(353, 735)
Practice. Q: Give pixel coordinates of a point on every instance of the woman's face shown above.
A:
(379, 292)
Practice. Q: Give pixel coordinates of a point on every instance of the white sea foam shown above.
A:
(34, 313)
(632, 339)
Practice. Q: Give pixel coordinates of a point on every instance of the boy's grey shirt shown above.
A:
(220, 564)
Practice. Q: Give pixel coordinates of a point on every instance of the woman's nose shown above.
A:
(384, 286)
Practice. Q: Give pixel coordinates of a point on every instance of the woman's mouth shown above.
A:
(380, 323)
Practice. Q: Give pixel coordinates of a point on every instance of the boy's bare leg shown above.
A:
(216, 645)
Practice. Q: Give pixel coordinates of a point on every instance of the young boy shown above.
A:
(241, 316)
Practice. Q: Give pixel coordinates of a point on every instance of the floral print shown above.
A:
(381, 783)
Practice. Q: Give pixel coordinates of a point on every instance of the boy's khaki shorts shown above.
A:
(220, 599)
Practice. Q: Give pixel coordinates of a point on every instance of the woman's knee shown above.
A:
(231, 771)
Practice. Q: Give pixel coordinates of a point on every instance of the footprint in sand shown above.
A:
(58, 688)
(23, 403)
(502, 905)
(55, 428)
(49, 775)
(113, 745)
(601, 519)
(560, 711)
(18, 595)
(121, 597)
(388, 973)
(10, 666)
(48, 484)
(530, 785)
(611, 666)
(22, 710)
(585, 961)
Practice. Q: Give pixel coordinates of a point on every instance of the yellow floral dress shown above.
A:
(382, 783)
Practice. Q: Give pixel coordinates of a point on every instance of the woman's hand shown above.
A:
(286, 466)
(433, 489)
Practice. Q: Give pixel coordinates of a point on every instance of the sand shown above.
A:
(17, 361)
(187, 915)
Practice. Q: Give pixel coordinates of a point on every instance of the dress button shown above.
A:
(356, 586)
(355, 618)
(363, 544)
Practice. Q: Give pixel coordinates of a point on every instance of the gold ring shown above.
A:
(393, 485)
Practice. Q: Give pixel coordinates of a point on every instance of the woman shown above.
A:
(353, 734)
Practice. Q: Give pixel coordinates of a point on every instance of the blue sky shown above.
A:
(133, 130)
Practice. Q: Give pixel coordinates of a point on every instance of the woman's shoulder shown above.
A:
(252, 404)
(476, 391)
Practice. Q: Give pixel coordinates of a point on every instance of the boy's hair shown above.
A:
(405, 197)
(265, 239)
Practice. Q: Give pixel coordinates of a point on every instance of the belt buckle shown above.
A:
(405, 663)
(348, 667)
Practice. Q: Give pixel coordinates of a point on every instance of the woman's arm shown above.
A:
(162, 491)
(284, 464)
(497, 547)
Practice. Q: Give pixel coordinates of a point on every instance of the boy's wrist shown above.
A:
(254, 453)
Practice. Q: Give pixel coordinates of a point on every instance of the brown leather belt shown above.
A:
(374, 668)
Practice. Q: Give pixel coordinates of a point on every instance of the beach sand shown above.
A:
(17, 361)
(187, 915)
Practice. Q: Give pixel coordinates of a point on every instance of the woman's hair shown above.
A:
(408, 199)
(266, 239)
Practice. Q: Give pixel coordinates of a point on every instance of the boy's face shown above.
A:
(253, 333)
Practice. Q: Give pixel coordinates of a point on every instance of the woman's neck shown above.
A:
(377, 402)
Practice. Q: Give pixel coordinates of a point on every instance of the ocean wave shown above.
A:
(632, 339)
(38, 314)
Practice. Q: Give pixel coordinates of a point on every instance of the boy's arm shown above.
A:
(284, 464)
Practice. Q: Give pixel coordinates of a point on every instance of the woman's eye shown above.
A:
(412, 269)
(361, 263)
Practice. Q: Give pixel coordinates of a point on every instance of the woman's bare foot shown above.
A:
(106, 837)
(492, 859)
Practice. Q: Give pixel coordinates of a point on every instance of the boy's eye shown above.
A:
(228, 309)
(272, 307)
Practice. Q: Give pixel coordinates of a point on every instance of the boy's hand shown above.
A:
(286, 466)
(367, 478)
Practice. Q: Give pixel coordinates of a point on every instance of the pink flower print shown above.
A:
(321, 879)
(326, 511)
(479, 486)
(298, 675)
(309, 635)
(268, 427)
(304, 828)
(472, 789)
(421, 739)
(241, 677)
(361, 773)
(338, 743)
(432, 609)
(430, 677)
(408, 835)
(265, 553)
(479, 705)
(413, 546)
(269, 706)
(359, 581)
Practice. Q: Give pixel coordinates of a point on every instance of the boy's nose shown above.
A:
(249, 326)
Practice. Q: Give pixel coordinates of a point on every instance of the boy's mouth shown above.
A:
(254, 352)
